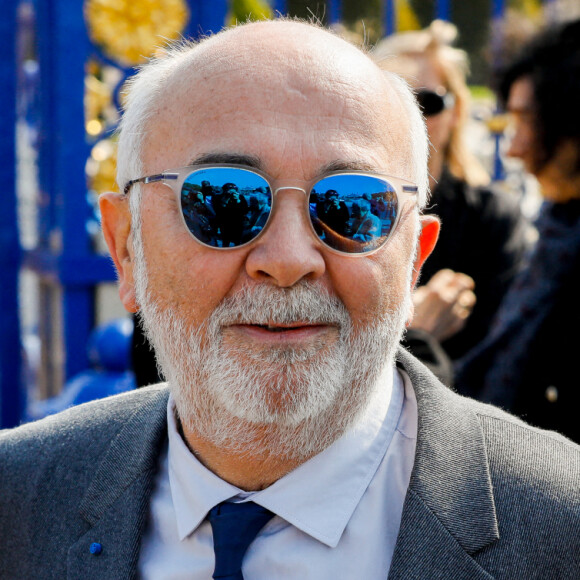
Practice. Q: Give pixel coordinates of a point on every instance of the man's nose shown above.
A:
(288, 250)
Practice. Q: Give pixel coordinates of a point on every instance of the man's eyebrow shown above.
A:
(218, 158)
(234, 158)
(340, 165)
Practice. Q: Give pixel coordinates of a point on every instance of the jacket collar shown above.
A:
(449, 512)
(116, 502)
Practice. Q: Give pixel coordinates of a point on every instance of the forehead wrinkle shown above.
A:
(348, 134)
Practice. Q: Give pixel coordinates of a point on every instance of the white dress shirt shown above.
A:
(336, 515)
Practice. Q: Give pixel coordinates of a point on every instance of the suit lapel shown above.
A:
(449, 512)
(116, 504)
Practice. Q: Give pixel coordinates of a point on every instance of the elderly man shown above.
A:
(287, 442)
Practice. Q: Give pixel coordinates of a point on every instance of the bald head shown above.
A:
(285, 66)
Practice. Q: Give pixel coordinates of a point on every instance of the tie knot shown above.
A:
(234, 527)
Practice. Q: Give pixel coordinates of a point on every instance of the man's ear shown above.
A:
(430, 226)
(116, 224)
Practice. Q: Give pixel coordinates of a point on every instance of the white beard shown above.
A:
(290, 402)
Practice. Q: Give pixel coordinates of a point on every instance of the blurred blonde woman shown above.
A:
(426, 59)
(483, 237)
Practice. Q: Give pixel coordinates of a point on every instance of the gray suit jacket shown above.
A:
(490, 497)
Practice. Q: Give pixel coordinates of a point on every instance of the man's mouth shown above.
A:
(284, 327)
(282, 331)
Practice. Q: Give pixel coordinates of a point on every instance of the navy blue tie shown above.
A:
(234, 527)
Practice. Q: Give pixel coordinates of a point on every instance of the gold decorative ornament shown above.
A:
(129, 31)
(101, 167)
(101, 114)
(497, 124)
(98, 97)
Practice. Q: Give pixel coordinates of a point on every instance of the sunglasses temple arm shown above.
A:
(149, 179)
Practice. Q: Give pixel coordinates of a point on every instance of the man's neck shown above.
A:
(246, 471)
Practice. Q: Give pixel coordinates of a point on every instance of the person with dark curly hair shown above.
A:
(527, 363)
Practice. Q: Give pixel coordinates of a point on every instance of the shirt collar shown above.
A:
(194, 488)
(318, 497)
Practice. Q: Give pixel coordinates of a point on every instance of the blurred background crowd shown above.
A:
(496, 307)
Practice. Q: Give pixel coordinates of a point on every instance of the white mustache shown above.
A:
(264, 305)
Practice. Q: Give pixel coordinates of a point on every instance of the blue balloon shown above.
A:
(109, 345)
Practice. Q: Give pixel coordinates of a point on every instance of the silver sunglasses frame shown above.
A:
(175, 178)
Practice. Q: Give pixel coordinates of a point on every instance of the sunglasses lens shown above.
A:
(225, 207)
(430, 102)
(353, 213)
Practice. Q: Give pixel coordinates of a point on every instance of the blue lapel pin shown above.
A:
(95, 548)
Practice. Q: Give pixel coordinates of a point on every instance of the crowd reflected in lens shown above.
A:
(228, 207)
(225, 207)
(359, 218)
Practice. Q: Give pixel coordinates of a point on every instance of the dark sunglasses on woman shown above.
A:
(434, 102)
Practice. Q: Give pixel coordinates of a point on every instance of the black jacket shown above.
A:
(484, 235)
(528, 364)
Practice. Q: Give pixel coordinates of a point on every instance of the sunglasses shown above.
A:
(434, 102)
(228, 206)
